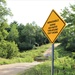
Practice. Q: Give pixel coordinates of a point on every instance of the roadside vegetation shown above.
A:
(27, 56)
(64, 64)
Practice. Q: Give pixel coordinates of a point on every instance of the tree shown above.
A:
(4, 11)
(30, 35)
(40, 37)
(13, 34)
(3, 32)
(26, 37)
(67, 38)
(8, 49)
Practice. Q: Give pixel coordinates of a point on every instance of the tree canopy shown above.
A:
(67, 38)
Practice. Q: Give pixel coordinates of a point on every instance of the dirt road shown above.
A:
(13, 69)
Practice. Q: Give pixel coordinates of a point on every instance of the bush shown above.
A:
(73, 55)
(25, 46)
(8, 49)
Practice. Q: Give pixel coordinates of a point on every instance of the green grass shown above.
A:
(27, 56)
(64, 64)
(41, 69)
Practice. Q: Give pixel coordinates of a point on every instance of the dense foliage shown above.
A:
(7, 49)
(17, 37)
(26, 36)
(67, 37)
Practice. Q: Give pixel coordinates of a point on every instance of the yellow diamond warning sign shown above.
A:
(53, 26)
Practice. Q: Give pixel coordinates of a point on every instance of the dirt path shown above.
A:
(13, 69)
(49, 51)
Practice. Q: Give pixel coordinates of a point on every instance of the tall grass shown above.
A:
(27, 56)
(42, 69)
(60, 68)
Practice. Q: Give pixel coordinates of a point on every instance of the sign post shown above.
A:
(52, 69)
(52, 28)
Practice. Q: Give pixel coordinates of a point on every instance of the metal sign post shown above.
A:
(52, 68)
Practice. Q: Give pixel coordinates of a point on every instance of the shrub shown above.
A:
(25, 46)
(8, 49)
(73, 55)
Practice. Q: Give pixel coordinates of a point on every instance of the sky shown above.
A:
(27, 11)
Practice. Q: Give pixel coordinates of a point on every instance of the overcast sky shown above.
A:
(27, 11)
